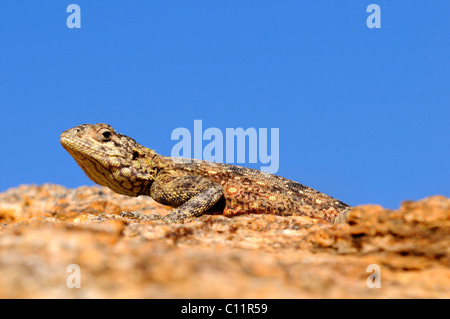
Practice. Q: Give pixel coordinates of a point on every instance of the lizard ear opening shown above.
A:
(135, 155)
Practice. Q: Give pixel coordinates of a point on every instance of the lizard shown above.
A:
(191, 187)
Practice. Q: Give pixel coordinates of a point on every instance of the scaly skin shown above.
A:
(192, 187)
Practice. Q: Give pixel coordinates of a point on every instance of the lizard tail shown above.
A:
(342, 217)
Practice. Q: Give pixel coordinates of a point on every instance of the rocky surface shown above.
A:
(45, 229)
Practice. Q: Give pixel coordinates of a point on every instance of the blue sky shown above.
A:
(363, 114)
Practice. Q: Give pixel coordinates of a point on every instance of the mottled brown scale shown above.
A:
(192, 187)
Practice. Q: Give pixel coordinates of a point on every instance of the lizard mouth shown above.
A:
(79, 151)
(96, 165)
(79, 147)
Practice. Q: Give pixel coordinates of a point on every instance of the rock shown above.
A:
(45, 229)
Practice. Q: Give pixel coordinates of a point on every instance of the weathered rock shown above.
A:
(44, 229)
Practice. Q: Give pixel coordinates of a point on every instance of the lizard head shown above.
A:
(111, 159)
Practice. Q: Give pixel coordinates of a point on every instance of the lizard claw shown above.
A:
(143, 217)
(133, 215)
(140, 216)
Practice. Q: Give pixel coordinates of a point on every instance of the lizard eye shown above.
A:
(106, 135)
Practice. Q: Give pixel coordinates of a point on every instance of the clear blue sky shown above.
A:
(363, 114)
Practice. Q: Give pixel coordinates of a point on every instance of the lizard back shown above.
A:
(248, 190)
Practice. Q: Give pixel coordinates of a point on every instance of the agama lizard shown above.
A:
(192, 187)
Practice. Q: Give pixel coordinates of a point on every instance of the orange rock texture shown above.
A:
(46, 229)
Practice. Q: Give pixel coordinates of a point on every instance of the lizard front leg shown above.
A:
(190, 195)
